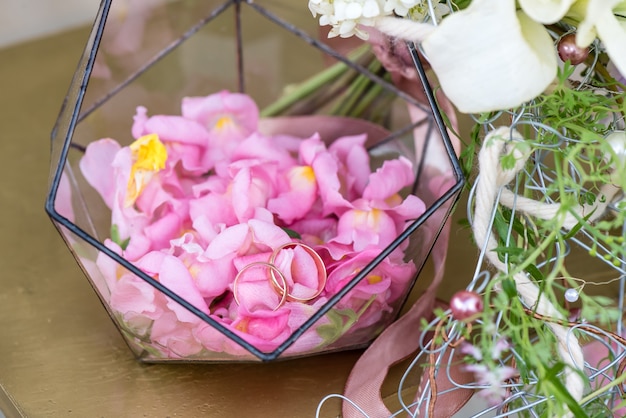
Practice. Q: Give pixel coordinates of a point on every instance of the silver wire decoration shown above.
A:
(522, 399)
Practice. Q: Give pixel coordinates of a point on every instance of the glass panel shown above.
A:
(217, 47)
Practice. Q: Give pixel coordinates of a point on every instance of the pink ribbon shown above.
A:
(402, 338)
(397, 343)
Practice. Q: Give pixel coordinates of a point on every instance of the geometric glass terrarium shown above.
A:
(286, 209)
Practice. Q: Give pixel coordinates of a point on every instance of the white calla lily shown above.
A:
(487, 57)
(546, 11)
(600, 20)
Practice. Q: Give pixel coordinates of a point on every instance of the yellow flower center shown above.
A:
(149, 153)
(149, 156)
(394, 200)
(308, 173)
(374, 278)
(368, 218)
(223, 122)
(301, 177)
(243, 325)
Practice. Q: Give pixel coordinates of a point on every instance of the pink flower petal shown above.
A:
(175, 276)
(178, 337)
(97, 167)
(389, 179)
(262, 148)
(366, 228)
(351, 152)
(162, 230)
(177, 129)
(209, 110)
(297, 201)
(131, 294)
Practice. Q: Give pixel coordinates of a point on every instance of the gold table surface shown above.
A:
(60, 355)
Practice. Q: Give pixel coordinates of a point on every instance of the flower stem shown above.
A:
(312, 85)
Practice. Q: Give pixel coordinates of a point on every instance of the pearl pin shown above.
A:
(569, 51)
(571, 295)
(466, 305)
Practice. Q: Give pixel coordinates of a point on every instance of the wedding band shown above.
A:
(274, 280)
(319, 263)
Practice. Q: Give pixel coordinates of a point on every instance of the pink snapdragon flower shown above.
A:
(253, 185)
(186, 140)
(252, 237)
(137, 301)
(381, 288)
(379, 216)
(210, 277)
(228, 118)
(175, 338)
(491, 381)
(268, 330)
(173, 274)
(298, 194)
(107, 167)
(96, 165)
(489, 378)
(207, 132)
(341, 170)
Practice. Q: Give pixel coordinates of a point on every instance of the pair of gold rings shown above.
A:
(277, 279)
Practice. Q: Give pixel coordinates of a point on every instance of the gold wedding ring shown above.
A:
(272, 268)
(319, 263)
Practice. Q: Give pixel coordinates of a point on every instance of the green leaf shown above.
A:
(508, 285)
(552, 385)
(115, 237)
(292, 234)
(578, 226)
(340, 320)
(508, 161)
(501, 225)
(513, 252)
(535, 273)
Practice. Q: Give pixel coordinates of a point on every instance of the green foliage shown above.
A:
(115, 237)
(292, 233)
(565, 131)
(340, 321)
